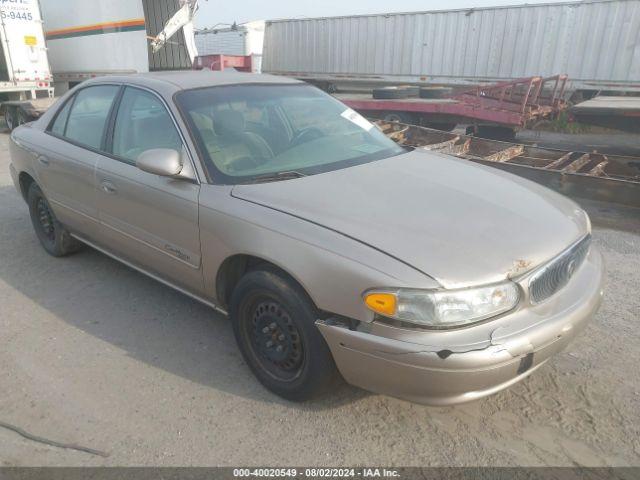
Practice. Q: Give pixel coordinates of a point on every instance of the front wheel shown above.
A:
(274, 325)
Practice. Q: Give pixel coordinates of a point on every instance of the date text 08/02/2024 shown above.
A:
(317, 472)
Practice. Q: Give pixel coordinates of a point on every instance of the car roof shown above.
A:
(188, 79)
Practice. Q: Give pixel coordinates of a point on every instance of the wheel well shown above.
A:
(234, 267)
(25, 182)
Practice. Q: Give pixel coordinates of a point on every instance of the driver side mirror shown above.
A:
(165, 162)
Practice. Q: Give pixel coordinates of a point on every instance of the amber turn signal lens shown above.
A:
(382, 303)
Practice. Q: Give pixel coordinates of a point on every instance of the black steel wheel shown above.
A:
(45, 219)
(53, 236)
(274, 325)
(276, 342)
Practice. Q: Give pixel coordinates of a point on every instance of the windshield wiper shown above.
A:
(274, 177)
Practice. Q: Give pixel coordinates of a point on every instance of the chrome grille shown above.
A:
(557, 273)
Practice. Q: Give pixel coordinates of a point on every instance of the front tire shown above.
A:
(54, 238)
(274, 325)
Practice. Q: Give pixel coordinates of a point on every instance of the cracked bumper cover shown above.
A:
(450, 367)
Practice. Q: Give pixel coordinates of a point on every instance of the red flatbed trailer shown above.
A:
(513, 104)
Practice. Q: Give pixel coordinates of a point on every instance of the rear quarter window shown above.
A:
(60, 122)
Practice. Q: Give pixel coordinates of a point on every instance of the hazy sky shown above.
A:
(227, 11)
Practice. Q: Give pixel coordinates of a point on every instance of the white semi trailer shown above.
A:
(24, 66)
(594, 42)
(92, 38)
(85, 39)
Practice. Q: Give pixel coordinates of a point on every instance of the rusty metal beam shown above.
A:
(506, 154)
(577, 164)
(460, 149)
(559, 161)
(400, 135)
(598, 170)
(447, 145)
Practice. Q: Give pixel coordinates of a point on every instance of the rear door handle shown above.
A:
(43, 160)
(108, 187)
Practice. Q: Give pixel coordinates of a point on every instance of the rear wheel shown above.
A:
(274, 325)
(54, 238)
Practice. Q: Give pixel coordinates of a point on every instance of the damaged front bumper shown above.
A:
(456, 366)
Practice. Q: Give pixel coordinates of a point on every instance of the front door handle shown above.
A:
(43, 160)
(108, 187)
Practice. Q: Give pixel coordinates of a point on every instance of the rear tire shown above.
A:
(54, 238)
(274, 326)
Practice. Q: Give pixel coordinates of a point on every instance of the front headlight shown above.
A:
(443, 308)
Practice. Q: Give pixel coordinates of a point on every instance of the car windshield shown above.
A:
(264, 132)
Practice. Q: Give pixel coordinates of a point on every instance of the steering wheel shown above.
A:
(306, 135)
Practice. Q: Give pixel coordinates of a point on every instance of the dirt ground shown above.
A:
(96, 354)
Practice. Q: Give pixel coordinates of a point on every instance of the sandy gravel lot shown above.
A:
(96, 354)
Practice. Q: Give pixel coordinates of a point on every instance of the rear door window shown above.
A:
(88, 115)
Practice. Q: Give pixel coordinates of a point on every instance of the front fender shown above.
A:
(333, 269)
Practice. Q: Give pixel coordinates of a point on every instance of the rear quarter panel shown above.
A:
(22, 153)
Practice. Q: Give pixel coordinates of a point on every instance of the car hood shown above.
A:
(459, 222)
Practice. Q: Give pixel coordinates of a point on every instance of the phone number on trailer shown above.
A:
(317, 472)
(12, 15)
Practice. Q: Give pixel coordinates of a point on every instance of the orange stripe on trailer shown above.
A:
(136, 22)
